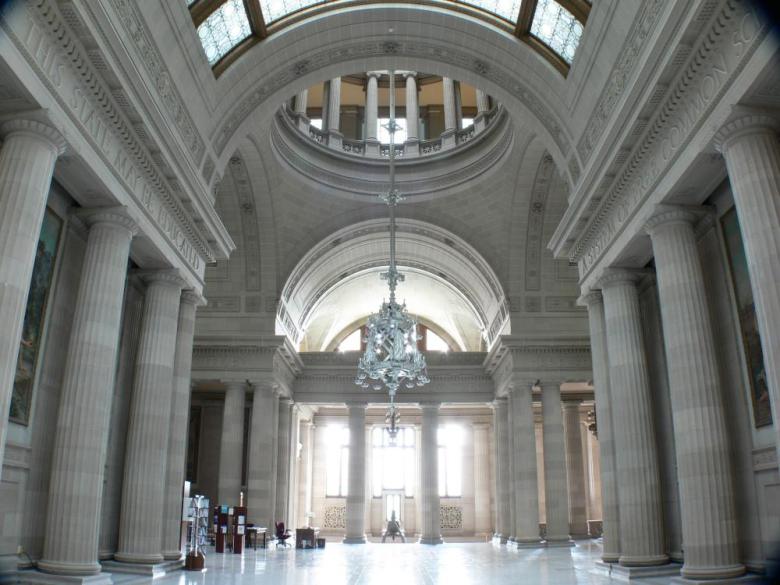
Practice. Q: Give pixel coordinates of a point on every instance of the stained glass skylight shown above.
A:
(227, 26)
(557, 28)
(508, 9)
(276, 9)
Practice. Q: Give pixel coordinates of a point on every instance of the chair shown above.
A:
(282, 535)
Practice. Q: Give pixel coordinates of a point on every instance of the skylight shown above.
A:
(508, 9)
(276, 9)
(226, 27)
(557, 28)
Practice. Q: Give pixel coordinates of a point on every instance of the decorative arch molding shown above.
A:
(349, 329)
(421, 246)
(315, 50)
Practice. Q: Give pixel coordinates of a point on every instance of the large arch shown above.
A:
(434, 255)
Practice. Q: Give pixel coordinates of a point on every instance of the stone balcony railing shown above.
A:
(409, 149)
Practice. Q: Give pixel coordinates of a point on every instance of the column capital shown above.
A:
(118, 216)
(374, 74)
(572, 403)
(234, 384)
(37, 129)
(430, 405)
(673, 214)
(355, 405)
(499, 402)
(590, 298)
(167, 276)
(618, 276)
(408, 74)
(193, 297)
(748, 122)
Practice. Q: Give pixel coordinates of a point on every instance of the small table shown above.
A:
(306, 534)
(251, 536)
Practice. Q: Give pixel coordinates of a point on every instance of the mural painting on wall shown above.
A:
(746, 308)
(32, 331)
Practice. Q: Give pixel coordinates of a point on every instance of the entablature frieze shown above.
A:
(607, 203)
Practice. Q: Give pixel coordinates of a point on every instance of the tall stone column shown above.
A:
(180, 416)
(143, 488)
(27, 159)
(555, 487)
(482, 522)
(412, 144)
(334, 113)
(749, 145)
(372, 112)
(231, 445)
(610, 517)
(575, 469)
(525, 485)
(450, 119)
(641, 524)
(260, 467)
(283, 459)
(500, 427)
(510, 468)
(483, 107)
(709, 522)
(81, 434)
(301, 103)
(356, 487)
(429, 474)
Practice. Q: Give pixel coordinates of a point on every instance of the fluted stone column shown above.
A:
(575, 469)
(510, 470)
(231, 444)
(412, 144)
(450, 118)
(429, 474)
(525, 486)
(372, 112)
(283, 459)
(334, 113)
(180, 416)
(356, 487)
(301, 103)
(750, 146)
(641, 524)
(610, 517)
(500, 426)
(709, 522)
(27, 159)
(555, 486)
(143, 487)
(260, 467)
(81, 434)
(483, 107)
(482, 521)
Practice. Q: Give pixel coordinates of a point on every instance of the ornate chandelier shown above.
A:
(391, 359)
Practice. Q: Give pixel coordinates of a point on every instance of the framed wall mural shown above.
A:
(746, 308)
(32, 331)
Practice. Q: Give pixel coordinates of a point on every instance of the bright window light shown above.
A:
(276, 9)
(434, 342)
(393, 463)
(337, 460)
(384, 136)
(351, 342)
(508, 9)
(316, 122)
(557, 28)
(226, 27)
(450, 439)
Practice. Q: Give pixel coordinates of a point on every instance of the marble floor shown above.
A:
(398, 564)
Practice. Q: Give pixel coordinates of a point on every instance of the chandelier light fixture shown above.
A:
(391, 359)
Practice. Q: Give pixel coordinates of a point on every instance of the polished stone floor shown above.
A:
(399, 564)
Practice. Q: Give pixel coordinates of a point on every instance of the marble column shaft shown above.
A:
(701, 438)
(482, 520)
(180, 416)
(301, 102)
(524, 485)
(429, 475)
(81, 434)
(231, 445)
(750, 146)
(260, 467)
(641, 518)
(500, 425)
(143, 488)
(412, 108)
(27, 157)
(450, 119)
(372, 104)
(283, 459)
(483, 102)
(575, 469)
(610, 517)
(356, 486)
(555, 485)
(334, 105)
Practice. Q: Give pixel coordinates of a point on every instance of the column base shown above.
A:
(519, 543)
(742, 579)
(610, 557)
(559, 543)
(430, 540)
(623, 573)
(153, 571)
(34, 577)
(354, 539)
(172, 555)
(65, 568)
(724, 574)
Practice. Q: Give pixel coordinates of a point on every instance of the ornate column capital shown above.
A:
(374, 74)
(590, 298)
(166, 276)
(747, 123)
(36, 129)
(408, 74)
(193, 297)
(234, 384)
(618, 276)
(672, 214)
(430, 405)
(118, 216)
